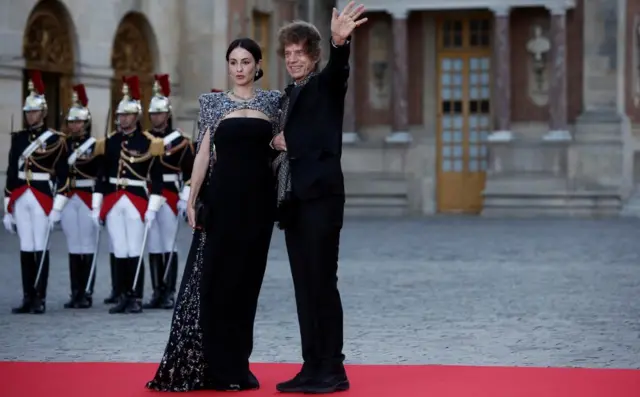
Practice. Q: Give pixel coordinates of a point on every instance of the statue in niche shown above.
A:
(609, 47)
(379, 68)
(538, 70)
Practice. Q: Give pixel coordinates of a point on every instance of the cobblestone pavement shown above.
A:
(443, 290)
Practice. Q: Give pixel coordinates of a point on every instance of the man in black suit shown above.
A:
(312, 197)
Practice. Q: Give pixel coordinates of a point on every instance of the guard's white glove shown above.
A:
(182, 208)
(58, 205)
(184, 199)
(155, 202)
(8, 222)
(54, 217)
(96, 205)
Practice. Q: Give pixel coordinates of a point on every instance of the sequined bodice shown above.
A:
(216, 106)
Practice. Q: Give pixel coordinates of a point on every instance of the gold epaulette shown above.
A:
(59, 133)
(156, 145)
(112, 133)
(99, 147)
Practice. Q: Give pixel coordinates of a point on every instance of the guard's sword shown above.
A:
(92, 272)
(173, 250)
(11, 122)
(44, 254)
(142, 249)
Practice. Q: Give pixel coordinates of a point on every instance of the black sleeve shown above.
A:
(101, 153)
(155, 174)
(336, 73)
(12, 168)
(186, 163)
(62, 168)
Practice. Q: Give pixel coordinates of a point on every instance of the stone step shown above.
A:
(568, 203)
(631, 207)
(375, 194)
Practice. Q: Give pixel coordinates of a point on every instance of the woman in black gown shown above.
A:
(211, 335)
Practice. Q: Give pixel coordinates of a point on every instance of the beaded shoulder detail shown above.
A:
(216, 106)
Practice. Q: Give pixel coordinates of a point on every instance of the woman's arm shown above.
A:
(200, 167)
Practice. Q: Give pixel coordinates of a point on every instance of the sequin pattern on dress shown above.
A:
(184, 366)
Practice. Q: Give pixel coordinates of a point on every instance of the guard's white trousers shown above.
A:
(31, 222)
(110, 245)
(78, 227)
(126, 228)
(163, 231)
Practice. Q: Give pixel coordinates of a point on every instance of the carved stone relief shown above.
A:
(48, 47)
(131, 54)
(380, 65)
(131, 50)
(538, 48)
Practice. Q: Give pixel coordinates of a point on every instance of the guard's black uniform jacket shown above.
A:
(129, 162)
(85, 160)
(176, 164)
(44, 169)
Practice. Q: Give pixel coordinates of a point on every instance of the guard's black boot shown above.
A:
(85, 299)
(122, 285)
(156, 269)
(74, 263)
(134, 303)
(169, 298)
(39, 305)
(28, 269)
(113, 298)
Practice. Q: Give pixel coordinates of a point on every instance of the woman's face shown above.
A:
(242, 66)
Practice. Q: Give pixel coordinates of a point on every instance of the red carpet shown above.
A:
(19, 379)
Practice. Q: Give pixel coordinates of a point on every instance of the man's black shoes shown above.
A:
(303, 383)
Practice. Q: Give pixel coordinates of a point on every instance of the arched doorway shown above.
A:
(48, 46)
(133, 54)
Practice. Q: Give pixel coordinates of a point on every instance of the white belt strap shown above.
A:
(34, 176)
(40, 141)
(128, 182)
(170, 178)
(81, 150)
(83, 183)
(167, 140)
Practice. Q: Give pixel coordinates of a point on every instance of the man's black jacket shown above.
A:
(313, 129)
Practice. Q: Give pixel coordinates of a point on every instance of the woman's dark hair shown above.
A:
(252, 47)
(303, 33)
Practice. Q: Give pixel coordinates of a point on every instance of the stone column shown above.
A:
(349, 134)
(558, 125)
(502, 78)
(400, 89)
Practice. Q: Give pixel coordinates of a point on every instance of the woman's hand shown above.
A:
(191, 214)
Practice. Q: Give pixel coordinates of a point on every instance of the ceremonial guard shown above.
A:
(124, 201)
(176, 164)
(85, 158)
(36, 173)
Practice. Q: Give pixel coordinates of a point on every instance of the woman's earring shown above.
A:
(257, 71)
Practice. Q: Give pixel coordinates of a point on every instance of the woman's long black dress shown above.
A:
(211, 335)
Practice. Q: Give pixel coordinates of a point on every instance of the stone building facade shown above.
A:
(97, 42)
(494, 107)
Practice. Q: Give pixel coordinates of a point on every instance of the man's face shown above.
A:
(159, 120)
(126, 121)
(299, 63)
(34, 117)
(75, 127)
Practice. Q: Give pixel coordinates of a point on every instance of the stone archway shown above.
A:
(48, 46)
(133, 53)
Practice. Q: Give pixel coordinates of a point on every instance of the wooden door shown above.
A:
(464, 112)
(261, 33)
